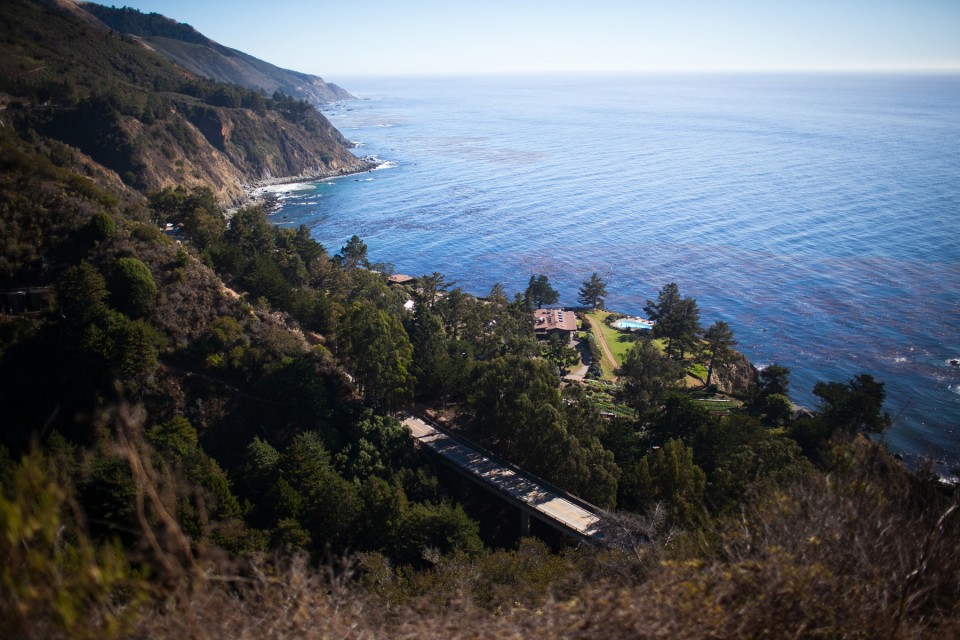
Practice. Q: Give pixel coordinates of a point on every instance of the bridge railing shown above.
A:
(580, 502)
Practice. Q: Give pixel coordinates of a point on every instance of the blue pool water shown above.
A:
(818, 215)
(631, 324)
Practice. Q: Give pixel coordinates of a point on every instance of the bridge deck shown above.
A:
(549, 504)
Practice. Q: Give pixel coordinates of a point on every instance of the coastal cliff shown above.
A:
(200, 55)
(66, 76)
(738, 376)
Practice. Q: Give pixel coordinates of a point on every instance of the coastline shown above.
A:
(258, 192)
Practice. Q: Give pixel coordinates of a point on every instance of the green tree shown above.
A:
(739, 454)
(259, 469)
(250, 232)
(176, 437)
(432, 365)
(770, 399)
(113, 345)
(109, 492)
(677, 319)
(353, 254)
(593, 292)
(647, 374)
(855, 406)
(328, 506)
(100, 227)
(679, 417)
(453, 308)
(432, 288)
(774, 379)
(558, 351)
(195, 209)
(444, 528)
(132, 288)
(522, 416)
(671, 476)
(539, 292)
(379, 354)
(720, 337)
(82, 294)
(178, 440)
(508, 395)
(777, 409)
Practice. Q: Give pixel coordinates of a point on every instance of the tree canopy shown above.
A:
(720, 338)
(539, 292)
(647, 374)
(593, 292)
(676, 318)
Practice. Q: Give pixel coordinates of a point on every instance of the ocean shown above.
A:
(818, 215)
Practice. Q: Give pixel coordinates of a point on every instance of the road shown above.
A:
(550, 505)
(598, 334)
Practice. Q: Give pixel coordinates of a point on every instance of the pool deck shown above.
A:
(647, 324)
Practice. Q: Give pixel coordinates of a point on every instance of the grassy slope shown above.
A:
(620, 343)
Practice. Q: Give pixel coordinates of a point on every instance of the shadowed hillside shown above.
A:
(66, 76)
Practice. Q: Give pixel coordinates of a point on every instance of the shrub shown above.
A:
(132, 288)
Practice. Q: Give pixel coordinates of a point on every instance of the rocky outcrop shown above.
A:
(735, 377)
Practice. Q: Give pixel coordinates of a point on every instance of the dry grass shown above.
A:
(867, 551)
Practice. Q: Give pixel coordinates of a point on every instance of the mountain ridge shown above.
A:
(65, 75)
(200, 55)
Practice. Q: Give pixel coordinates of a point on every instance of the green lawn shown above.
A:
(620, 342)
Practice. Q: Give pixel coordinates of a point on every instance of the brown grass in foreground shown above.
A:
(867, 551)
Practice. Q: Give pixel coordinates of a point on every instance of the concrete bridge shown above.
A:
(532, 496)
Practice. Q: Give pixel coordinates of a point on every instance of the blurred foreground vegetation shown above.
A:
(199, 437)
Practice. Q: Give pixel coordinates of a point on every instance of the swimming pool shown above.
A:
(632, 324)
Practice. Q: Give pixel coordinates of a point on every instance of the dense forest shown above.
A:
(200, 416)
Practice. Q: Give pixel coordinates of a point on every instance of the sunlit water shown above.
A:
(819, 216)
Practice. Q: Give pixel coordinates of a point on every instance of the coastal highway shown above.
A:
(549, 505)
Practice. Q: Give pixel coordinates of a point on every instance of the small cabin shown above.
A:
(400, 279)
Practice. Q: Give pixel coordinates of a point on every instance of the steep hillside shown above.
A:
(66, 76)
(198, 54)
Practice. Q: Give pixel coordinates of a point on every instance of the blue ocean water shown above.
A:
(818, 215)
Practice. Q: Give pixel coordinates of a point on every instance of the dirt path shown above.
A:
(598, 334)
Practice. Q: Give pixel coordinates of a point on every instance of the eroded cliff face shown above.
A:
(67, 77)
(736, 377)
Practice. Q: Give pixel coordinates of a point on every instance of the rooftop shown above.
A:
(399, 278)
(554, 320)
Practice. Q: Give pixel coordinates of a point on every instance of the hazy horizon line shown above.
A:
(890, 69)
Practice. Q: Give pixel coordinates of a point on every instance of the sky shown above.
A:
(449, 37)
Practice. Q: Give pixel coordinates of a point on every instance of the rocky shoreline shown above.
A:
(269, 201)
